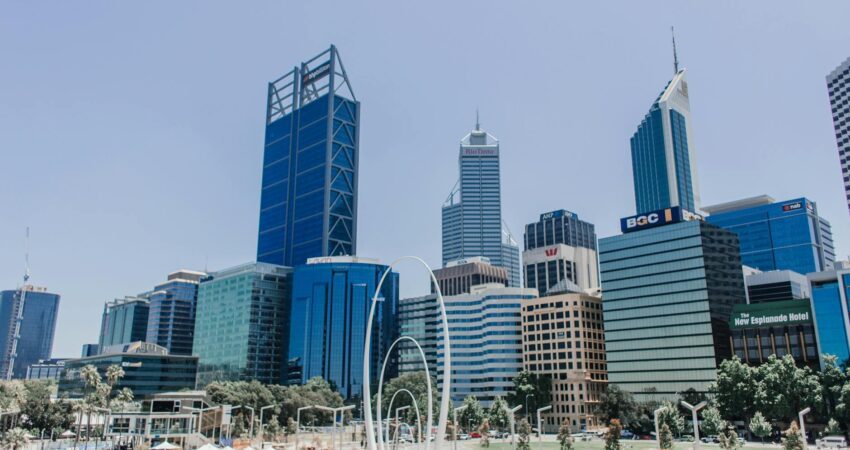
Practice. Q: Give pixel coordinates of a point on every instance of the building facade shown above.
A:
(241, 325)
(308, 206)
(148, 369)
(830, 294)
(485, 327)
(777, 285)
(838, 85)
(779, 327)
(418, 318)
(36, 309)
(331, 299)
(663, 157)
(171, 322)
(669, 285)
(560, 227)
(787, 235)
(472, 215)
(89, 350)
(46, 369)
(124, 320)
(458, 277)
(563, 339)
(560, 249)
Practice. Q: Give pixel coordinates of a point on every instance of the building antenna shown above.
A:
(675, 53)
(477, 123)
(27, 257)
(19, 316)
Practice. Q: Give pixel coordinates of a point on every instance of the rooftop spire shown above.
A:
(675, 54)
(477, 123)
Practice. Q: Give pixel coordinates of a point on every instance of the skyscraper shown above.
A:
(838, 84)
(37, 310)
(308, 206)
(663, 163)
(171, 322)
(472, 215)
(124, 320)
(560, 253)
(331, 298)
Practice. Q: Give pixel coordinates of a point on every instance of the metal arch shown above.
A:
(446, 392)
(418, 416)
(381, 389)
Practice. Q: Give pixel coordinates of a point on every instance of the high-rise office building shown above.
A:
(663, 157)
(418, 317)
(560, 253)
(787, 235)
(486, 341)
(776, 285)
(46, 369)
(830, 296)
(669, 285)
(563, 340)
(308, 206)
(331, 299)
(838, 85)
(171, 322)
(458, 277)
(124, 320)
(37, 310)
(89, 350)
(241, 324)
(472, 215)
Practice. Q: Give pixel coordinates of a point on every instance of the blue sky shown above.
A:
(131, 133)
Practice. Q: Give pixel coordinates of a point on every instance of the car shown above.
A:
(475, 435)
(709, 439)
(831, 442)
(685, 438)
(463, 437)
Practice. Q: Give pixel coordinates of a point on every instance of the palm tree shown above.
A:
(15, 439)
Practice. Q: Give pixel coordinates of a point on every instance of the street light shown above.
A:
(539, 422)
(513, 427)
(803, 423)
(262, 410)
(694, 410)
(454, 438)
(527, 411)
(657, 432)
(298, 422)
(334, 411)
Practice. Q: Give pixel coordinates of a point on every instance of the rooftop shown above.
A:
(736, 205)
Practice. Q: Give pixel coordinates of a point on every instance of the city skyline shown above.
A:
(112, 178)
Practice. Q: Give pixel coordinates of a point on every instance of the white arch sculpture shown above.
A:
(418, 417)
(381, 391)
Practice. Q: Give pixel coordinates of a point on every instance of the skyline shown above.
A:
(193, 99)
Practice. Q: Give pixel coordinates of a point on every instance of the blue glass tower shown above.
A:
(830, 294)
(171, 321)
(308, 206)
(663, 164)
(331, 298)
(36, 331)
(787, 235)
(124, 321)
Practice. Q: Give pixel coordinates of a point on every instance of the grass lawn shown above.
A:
(599, 445)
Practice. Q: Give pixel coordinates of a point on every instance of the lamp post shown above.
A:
(513, 427)
(803, 422)
(657, 430)
(694, 410)
(527, 411)
(454, 438)
(262, 410)
(298, 423)
(334, 411)
(539, 422)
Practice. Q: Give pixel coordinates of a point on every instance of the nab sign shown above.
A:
(651, 219)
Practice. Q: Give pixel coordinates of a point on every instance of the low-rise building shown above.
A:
(779, 327)
(460, 275)
(46, 369)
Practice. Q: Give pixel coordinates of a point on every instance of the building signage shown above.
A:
(556, 214)
(791, 312)
(479, 151)
(792, 206)
(651, 219)
(315, 74)
(553, 251)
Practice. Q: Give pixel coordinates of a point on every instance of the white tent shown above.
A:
(208, 447)
(67, 434)
(228, 448)
(165, 446)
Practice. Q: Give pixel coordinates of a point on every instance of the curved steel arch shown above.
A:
(381, 390)
(418, 417)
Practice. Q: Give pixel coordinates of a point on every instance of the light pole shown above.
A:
(298, 423)
(539, 422)
(262, 410)
(657, 430)
(398, 424)
(454, 438)
(334, 411)
(513, 427)
(803, 422)
(694, 410)
(527, 411)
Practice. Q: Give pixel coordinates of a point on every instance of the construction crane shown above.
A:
(13, 354)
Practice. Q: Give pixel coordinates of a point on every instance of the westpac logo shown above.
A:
(651, 219)
(551, 251)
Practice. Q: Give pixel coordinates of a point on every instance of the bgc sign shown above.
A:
(651, 219)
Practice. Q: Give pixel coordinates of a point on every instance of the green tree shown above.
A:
(484, 431)
(565, 436)
(473, 415)
(793, 439)
(12, 395)
(832, 379)
(712, 423)
(616, 403)
(729, 439)
(783, 389)
(692, 396)
(39, 412)
(832, 427)
(665, 437)
(290, 425)
(612, 436)
(524, 441)
(735, 389)
(15, 439)
(671, 416)
(417, 384)
(531, 390)
(498, 413)
(760, 426)
(271, 429)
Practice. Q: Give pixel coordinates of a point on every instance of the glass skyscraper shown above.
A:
(830, 294)
(171, 322)
(663, 163)
(838, 84)
(787, 235)
(331, 298)
(308, 206)
(36, 331)
(560, 253)
(472, 215)
(124, 321)
(241, 324)
(668, 293)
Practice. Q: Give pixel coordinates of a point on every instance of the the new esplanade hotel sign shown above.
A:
(773, 314)
(657, 218)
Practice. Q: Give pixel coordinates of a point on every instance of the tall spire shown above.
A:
(477, 123)
(675, 54)
(27, 257)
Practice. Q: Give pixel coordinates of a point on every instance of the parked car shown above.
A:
(475, 435)
(831, 442)
(711, 439)
(685, 438)
(463, 437)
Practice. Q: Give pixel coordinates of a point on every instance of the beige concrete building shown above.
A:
(459, 276)
(564, 340)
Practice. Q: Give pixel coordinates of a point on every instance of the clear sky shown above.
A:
(131, 133)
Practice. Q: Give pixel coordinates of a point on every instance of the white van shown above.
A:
(831, 442)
